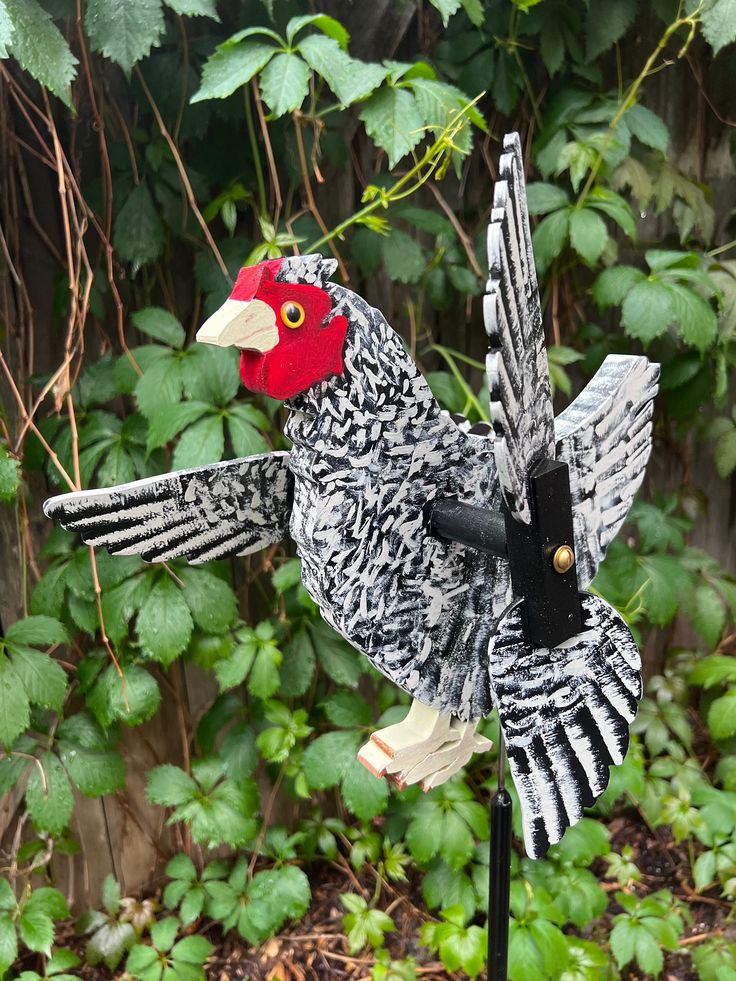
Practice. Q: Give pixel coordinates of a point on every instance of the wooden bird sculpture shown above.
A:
(455, 627)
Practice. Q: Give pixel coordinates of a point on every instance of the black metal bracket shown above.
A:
(551, 612)
(540, 554)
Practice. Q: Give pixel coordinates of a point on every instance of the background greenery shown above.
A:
(150, 150)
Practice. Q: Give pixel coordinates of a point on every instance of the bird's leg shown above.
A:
(427, 747)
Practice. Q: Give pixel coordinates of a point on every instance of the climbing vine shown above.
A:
(152, 149)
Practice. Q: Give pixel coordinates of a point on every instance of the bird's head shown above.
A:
(280, 315)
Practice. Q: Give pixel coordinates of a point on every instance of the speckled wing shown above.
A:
(565, 714)
(230, 508)
(605, 437)
(518, 377)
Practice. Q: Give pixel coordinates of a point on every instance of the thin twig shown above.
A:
(459, 230)
(184, 178)
(34, 428)
(269, 153)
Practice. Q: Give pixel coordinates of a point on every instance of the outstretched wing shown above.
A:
(565, 715)
(605, 437)
(229, 508)
(518, 377)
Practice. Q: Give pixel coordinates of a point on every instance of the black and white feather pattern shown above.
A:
(370, 449)
(565, 714)
(230, 508)
(518, 377)
(605, 437)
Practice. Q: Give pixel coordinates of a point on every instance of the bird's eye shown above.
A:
(292, 314)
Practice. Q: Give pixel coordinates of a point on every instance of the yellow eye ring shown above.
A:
(292, 314)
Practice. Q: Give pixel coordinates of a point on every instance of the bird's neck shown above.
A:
(378, 378)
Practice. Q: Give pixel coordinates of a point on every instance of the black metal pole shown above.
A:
(499, 885)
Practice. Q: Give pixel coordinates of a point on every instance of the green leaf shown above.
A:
(588, 235)
(181, 867)
(36, 930)
(263, 680)
(109, 943)
(139, 234)
(15, 712)
(612, 286)
(647, 127)
(607, 22)
(707, 614)
(232, 66)
(328, 25)
(163, 933)
(8, 942)
(9, 475)
(39, 47)
(124, 32)
(725, 446)
(200, 444)
(143, 963)
(168, 420)
(194, 8)
(43, 678)
(364, 795)
(169, 786)
(647, 310)
(403, 259)
(285, 83)
(231, 671)
(440, 104)
(718, 23)
(349, 79)
(722, 716)
(696, 320)
(615, 207)
(713, 670)
(543, 198)
(161, 325)
(446, 8)
(211, 600)
(164, 622)
(192, 950)
(345, 709)
(297, 665)
(341, 662)
(37, 631)
(6, 36)
(132, 699)
(49, 805)
(393, 121)
(95, 773)
(549, 238)
(328, 757)
(444, 886)
(668, 580)
(246, 439)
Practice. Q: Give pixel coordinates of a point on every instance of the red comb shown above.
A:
(250, 277)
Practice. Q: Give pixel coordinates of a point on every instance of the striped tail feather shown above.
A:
(565, 714)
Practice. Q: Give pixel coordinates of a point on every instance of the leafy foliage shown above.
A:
(219, 143)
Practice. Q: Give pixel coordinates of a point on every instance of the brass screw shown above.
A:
(564, 559)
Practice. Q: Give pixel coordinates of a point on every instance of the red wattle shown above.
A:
(291, 368)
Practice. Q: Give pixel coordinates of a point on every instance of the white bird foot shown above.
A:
(427, 747)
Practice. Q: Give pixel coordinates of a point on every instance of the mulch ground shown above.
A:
(315, 949)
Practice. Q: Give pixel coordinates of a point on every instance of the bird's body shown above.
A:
(371, 449)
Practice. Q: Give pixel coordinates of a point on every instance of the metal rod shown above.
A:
(470, 525)
(499, 886)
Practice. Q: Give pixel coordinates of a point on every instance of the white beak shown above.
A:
(249, 325)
